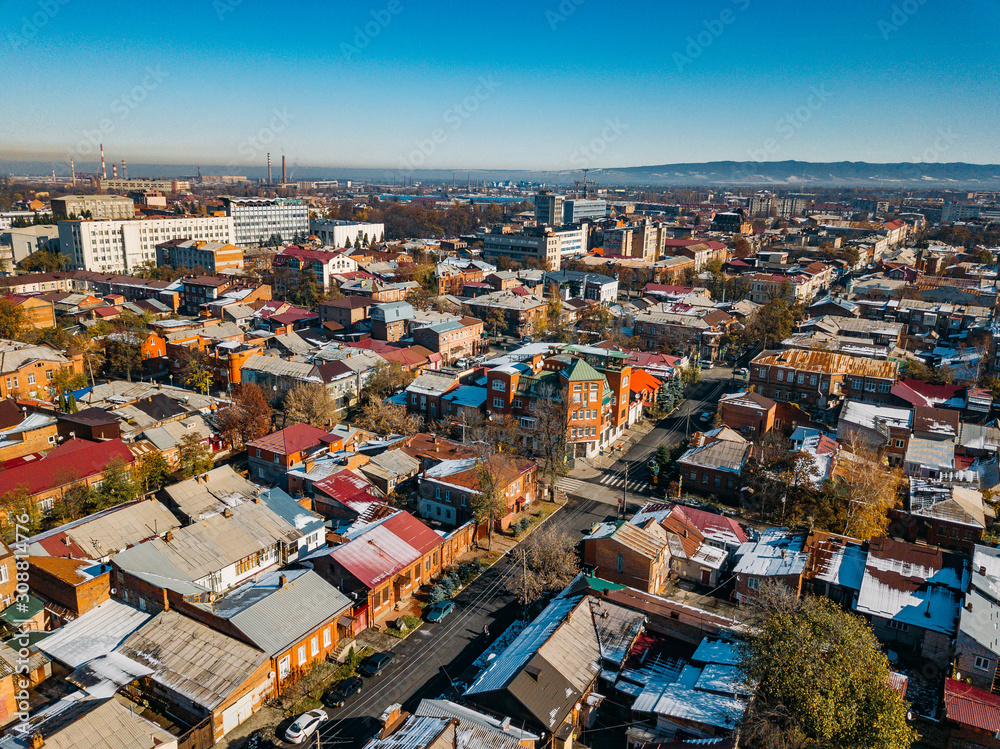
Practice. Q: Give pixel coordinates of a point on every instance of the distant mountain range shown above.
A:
(784, 174)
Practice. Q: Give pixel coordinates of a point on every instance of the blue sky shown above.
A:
(535, 85)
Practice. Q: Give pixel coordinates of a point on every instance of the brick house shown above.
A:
(390, 321)
(453, 340)
(977, 643)
(952, 517)
(272, 456)
(8, 576)
(629, 555)
(348, 312)
(38, 313)
(748, 413)
(69, 583)
(775, 557)
(971, 716)
(818, 381)
(448, 490)
(904, 609)
(714, 462)
(25, 434)
(27, 370)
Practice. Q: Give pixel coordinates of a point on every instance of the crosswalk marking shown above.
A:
(569, 485)
(618, 480)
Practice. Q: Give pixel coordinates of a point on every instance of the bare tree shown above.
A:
(309, 403)
(551, 412)
(547, 562)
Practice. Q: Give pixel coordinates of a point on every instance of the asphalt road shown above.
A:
(436, 655)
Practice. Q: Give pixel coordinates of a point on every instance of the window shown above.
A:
(884, 387)
(753, 583)
(497, 403)
(277, 458)
(983, 664)
(500, 386)
(870, 386)
(48, 374)
(517, 403)
(856, 383)
(781, 376)
(437, 492)
(899, 443)
(576, 388)
(302, 654)
(463, 499)
(704, 477)
(314, 646)
(46, 505)
(3, 574)
(31, 379)
(621, 562)
(694, 475)
(898, 626)
(718, 480)
(447, 495)
(802, 378)
(812, 380)
(954, 532)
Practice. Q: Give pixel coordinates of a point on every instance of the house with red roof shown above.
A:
(75, 462)
(972, 715)
(297, 446)
(344, 494)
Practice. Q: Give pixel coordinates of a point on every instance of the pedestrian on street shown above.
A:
(486, 630)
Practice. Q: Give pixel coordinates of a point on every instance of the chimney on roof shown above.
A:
(168, 536)
(969, 605)
(166, 600)
(391, 718)
(982, 569)
(37, 740)
(227, 513)
(282, 579)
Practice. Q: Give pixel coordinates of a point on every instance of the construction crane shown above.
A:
(585, 182)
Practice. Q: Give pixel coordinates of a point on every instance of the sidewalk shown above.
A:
(589, 468)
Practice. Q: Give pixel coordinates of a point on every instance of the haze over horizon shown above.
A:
(522, 86)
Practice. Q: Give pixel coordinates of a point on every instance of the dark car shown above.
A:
(375, 664)
(337, 696)
(439, 611)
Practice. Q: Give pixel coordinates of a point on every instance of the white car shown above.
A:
(305, 726)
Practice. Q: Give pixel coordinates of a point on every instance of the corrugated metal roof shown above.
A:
(381, 550)
(775, 553)
(191, 659)
(967, 705)
(829, 363)
(93, 634)
(260, 610)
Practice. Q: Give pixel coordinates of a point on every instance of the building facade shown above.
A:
(257, 220)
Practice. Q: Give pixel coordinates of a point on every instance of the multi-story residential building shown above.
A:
(98, 206)
(197, 291)
(977, 647)
(599, 397)
(518, 313)
(541, 244)
(453, 340)
(348, 312)
(212, 257)
(922, 318)
(324, 263)
(819, 381)
(629, 555)
(549, 208)
(390, 320)
(701, 252)
(162, 185)
(732, 222)
(374, 289)
(644, 240)
(259, 220)
(274, 455)
(118, 246)
(576, 210)
(333, 233)
(683, 329)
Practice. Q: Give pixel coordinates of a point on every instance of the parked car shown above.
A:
(707, 365)
(337, 696)
(374, 664)
(462, 364)
(527, 339)
(305, 726)
(741, 372)
(439, 611)
(707, 416)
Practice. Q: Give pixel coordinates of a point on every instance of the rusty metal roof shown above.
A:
(829, 363)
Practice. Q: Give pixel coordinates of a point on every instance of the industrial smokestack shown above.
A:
(72, 170)
(104, 171)
(283, 179)
(268, 167)
(124, 171)
(114, 171)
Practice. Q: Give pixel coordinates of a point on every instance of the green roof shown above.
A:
(579, 371)
(21, 611)
(598, 585)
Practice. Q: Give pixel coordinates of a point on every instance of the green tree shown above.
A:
(309, 403)
(116, 487)
(19, 510)
(197, 372)
(152, 472)
(43, 261)
(822, 680)
(194, 457)
(123, 352)
(489, 505)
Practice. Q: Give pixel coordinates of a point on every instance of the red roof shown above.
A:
(965, 704)
(293, 439)
(643, 380)
(292, 315)
(652, 288)
(349, 489)
(324, 256)
(385, 548)
(107, 312)
(73, 460)
(921, 393)
(710, 522)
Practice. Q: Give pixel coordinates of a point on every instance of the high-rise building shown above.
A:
(98, 206)
(544, 245)
(257, 220)
(549, 208)
(119, 246)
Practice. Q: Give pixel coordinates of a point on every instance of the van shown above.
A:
(463, 364)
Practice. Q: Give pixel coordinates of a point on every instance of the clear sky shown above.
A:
(516, 84)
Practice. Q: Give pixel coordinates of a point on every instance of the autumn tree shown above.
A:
(386, 378)
(247, 417)
(309, 403)
(545, 563)
(489, 503)
(151, 472)
(864, 490)
(13, 323)
(22, 516)
(123, 353)
(193, 456)
(821, 680)
(381, 417)
(548, 441)
(197, 372)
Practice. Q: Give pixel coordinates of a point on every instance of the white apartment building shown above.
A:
(121, 246)
(335, 233)
(547, 246)
(256, 220)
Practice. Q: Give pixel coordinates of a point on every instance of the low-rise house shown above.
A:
(971, 715)
(23, 434)
(884, 428)
(912, 596)
(28, 370)
(390, 470)
(485, 725)
(75, 586)
(45, 481)
(39, 313)
(453, 340)
(449, 489)
(97, 537)
(714, 462)
(977, 643)
(952, 517)
(343, 494)
(547, 677)
(628, 554)
(350, 313)
(929, 458)
(835, 568)
(514, 314)
(198, 672)
(169, 437)
(777, 557)
(274, 455)
(94, 634)
(749, 413)
(424, 395)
